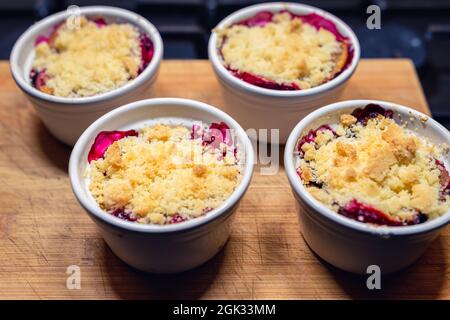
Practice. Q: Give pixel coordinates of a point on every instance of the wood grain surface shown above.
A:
(43, 230)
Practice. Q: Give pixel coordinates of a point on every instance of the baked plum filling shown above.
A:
(40, 77)
(124, 215)
(104, 139)
(51, 38)
(177, 218)
(40, 39)
(39, 80)
(214, 135)
(100, 22)
(371, 111)
(365, 213)
(320, 22)
(444, 179)
(264, 17)
(260, 20)
(217, 133)
(375, 162)
(147, 51)
(262, 82)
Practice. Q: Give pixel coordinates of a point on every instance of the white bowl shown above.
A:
(349, 244)
(66, 118)
(261, 108)
(153, 248)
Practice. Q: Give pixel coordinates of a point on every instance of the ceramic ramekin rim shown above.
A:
(275, 6)
(86, 138)
(320, 208)
(142, 23)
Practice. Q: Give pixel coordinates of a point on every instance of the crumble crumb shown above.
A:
(347, 120)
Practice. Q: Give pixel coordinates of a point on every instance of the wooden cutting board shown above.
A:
(43, 230)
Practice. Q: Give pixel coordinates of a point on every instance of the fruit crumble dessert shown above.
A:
(284, 51)
(373, 170)
(88, 59)
(164, 174)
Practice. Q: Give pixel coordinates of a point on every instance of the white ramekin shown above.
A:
(66, 118)
(349, 244)
(152, 248)
(260, 108)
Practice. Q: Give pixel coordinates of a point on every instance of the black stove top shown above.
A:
(416, 29)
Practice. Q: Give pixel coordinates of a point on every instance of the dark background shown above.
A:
(417, 29)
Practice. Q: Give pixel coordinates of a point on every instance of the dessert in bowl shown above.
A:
(165, 173)
(75, 69)
(283, 50)
(371, 169)
(89, 58)
(281, 61)
(371, 182)
(162, 179)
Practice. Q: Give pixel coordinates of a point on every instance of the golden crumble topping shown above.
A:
(285, 50)
(88, 60)
(164, 175)
(375, 171)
